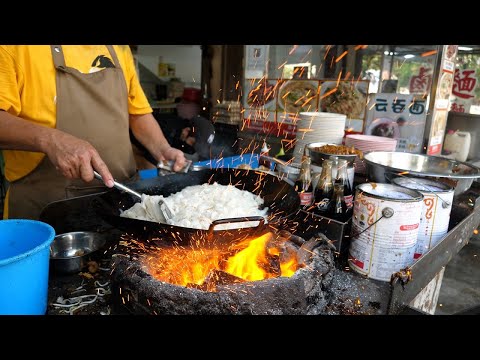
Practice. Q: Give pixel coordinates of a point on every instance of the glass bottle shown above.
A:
(303, 185)
(342, 179)
(324, 189)
(340, 211)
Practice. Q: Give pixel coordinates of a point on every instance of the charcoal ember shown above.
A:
(273, 265)
(219, 277)
(306, 250)
(202, 287)
(288, 253)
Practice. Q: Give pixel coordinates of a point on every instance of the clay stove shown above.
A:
(270, 274)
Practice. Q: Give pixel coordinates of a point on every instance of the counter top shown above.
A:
(375, 297)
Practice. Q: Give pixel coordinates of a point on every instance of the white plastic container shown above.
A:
(385, 226)
(458, 144)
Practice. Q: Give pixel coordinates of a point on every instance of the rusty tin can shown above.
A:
(436, 209)
(385, 226)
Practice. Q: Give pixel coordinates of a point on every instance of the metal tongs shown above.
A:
(164, 209)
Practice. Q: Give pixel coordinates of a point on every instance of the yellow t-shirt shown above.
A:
(28, 88)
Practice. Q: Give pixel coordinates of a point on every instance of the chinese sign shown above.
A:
(398, 116)
(438, 116)
(464, 84)
(420, 83)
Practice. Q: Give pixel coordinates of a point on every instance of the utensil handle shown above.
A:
(214, 223)
(119, 186)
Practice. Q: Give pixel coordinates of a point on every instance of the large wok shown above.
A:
(280, 197)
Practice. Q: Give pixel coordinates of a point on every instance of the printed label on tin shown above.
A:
(383, 247)
(436, 209)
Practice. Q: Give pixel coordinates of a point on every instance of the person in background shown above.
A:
(199, 132)
(186, 131)
(65, 112)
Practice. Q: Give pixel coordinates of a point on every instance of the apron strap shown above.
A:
(112, 52)
(58, 58)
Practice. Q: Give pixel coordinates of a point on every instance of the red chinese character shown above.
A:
(421, 82)
(463, 83)
(457, 108)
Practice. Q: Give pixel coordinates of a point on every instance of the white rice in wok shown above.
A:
(197, 206)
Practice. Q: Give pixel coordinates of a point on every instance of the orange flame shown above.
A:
(251, 261)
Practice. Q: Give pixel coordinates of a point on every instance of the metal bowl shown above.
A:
(318, 156)
(383, 166)
(69, 251)
(290, 171)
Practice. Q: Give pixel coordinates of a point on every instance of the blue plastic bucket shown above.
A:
(24, 264)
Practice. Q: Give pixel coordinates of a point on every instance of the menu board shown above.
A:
(397, 116)
(281, 101)
(296, 96)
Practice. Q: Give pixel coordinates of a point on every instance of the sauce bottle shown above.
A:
(324, 190)
(303, 185)
(342, 179)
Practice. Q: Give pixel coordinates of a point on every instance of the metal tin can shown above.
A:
(385, 226)
(436, 209)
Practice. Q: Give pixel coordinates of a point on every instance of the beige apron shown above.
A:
(93, 107)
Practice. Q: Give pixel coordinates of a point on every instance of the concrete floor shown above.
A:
(461, 282)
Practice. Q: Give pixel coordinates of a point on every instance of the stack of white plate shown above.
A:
(367, 143)
(318, 127)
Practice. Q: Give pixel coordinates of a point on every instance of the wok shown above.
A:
(279, 196)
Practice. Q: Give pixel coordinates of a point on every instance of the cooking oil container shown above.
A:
(385, 226)
(436, 209)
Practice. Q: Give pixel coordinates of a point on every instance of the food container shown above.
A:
(69, 252)
(436, 209)
(318, 156)
(385, 226)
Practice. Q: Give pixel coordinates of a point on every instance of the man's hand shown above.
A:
(76, 158)
(73, 157)
(170, 153)
(146, 130)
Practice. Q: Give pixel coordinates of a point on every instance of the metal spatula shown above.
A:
(165, 210)
(119, 186)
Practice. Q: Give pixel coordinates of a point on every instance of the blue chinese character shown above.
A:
(418, 107)
(398, 105)
(381, 105)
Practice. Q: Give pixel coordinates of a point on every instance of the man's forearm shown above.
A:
(19, 134)
(148, 132)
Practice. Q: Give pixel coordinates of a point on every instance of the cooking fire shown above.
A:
(274, 273)
(253, 259)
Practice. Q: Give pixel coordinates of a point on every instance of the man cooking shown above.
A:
(66, 111)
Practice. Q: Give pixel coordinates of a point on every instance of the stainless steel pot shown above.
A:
(69, 252)
(318, 156)
(383, 166)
